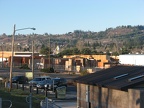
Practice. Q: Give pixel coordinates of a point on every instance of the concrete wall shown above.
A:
(97, 97)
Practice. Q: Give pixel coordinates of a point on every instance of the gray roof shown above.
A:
(117, 77)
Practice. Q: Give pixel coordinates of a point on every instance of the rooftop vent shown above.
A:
(134, 78)
(120, 76)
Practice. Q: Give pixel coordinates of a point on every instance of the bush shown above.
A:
(24, 66)
(48, 70)
(84, 72)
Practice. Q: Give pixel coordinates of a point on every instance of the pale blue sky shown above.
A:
(63, 16)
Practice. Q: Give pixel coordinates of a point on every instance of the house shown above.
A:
(19, 58)
(115, 87)
(101, 60)
(75, 63)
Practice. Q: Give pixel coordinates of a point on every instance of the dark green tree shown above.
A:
(45, 51)
(75, 51)
(86, 51)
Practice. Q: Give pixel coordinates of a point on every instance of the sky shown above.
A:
(63, 16)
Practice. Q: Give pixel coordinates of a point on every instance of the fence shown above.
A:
(64, 68)
(48, 103)
(8, 102)
(76, 69)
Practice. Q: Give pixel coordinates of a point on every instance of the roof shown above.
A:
(117, 77)
(22, 55)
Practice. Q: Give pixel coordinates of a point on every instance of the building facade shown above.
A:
(116, 87)
(89, 96)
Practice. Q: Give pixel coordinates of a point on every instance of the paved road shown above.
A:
(16, 71)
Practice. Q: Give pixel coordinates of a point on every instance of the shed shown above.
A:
(116, 87)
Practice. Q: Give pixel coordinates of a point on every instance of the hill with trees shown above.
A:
(119, 40)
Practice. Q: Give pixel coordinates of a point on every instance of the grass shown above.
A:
(18, 98)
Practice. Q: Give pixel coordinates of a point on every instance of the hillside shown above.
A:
(122, 39)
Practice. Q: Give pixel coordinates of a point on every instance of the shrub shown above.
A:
(83, 72)
(48, 70)
(24, 66)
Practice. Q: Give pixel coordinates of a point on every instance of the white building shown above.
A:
(131, 59)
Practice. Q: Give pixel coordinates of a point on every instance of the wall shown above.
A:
(81, 96)
(131, 59)
(5, 54)
(108, 98)
(136, 98)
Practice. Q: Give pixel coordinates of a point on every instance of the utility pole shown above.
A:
(49, 51)
(12, 48)
(11, 65)
(2, 57)
(2, 53)
(32, 59)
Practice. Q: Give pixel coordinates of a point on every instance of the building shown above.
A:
(116, 87)
(75, 63)
(70, 63)
(131, 59)
(19, 58)
(101, 59)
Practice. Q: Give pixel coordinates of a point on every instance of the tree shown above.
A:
(68, 52)
(86, 51)
(45, 51)
(75, 51)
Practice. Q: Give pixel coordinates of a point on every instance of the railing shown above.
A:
(8, 102)
(48, 103)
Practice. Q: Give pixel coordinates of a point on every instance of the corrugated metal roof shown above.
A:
(117, 77)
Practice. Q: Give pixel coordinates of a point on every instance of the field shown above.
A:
(18, 98)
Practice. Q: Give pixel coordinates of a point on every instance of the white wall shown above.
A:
(131, 59)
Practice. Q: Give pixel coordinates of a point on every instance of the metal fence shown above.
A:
(75, 69)
(48, 103)
(62, 68)
(5, 102)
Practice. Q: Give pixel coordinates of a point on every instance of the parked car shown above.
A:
(19, 79)
(41, 85)
(37, 80)
(56, 82)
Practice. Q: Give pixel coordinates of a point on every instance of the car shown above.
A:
(37, 80)
(41, 85)
(19, 79)
(56, 82)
